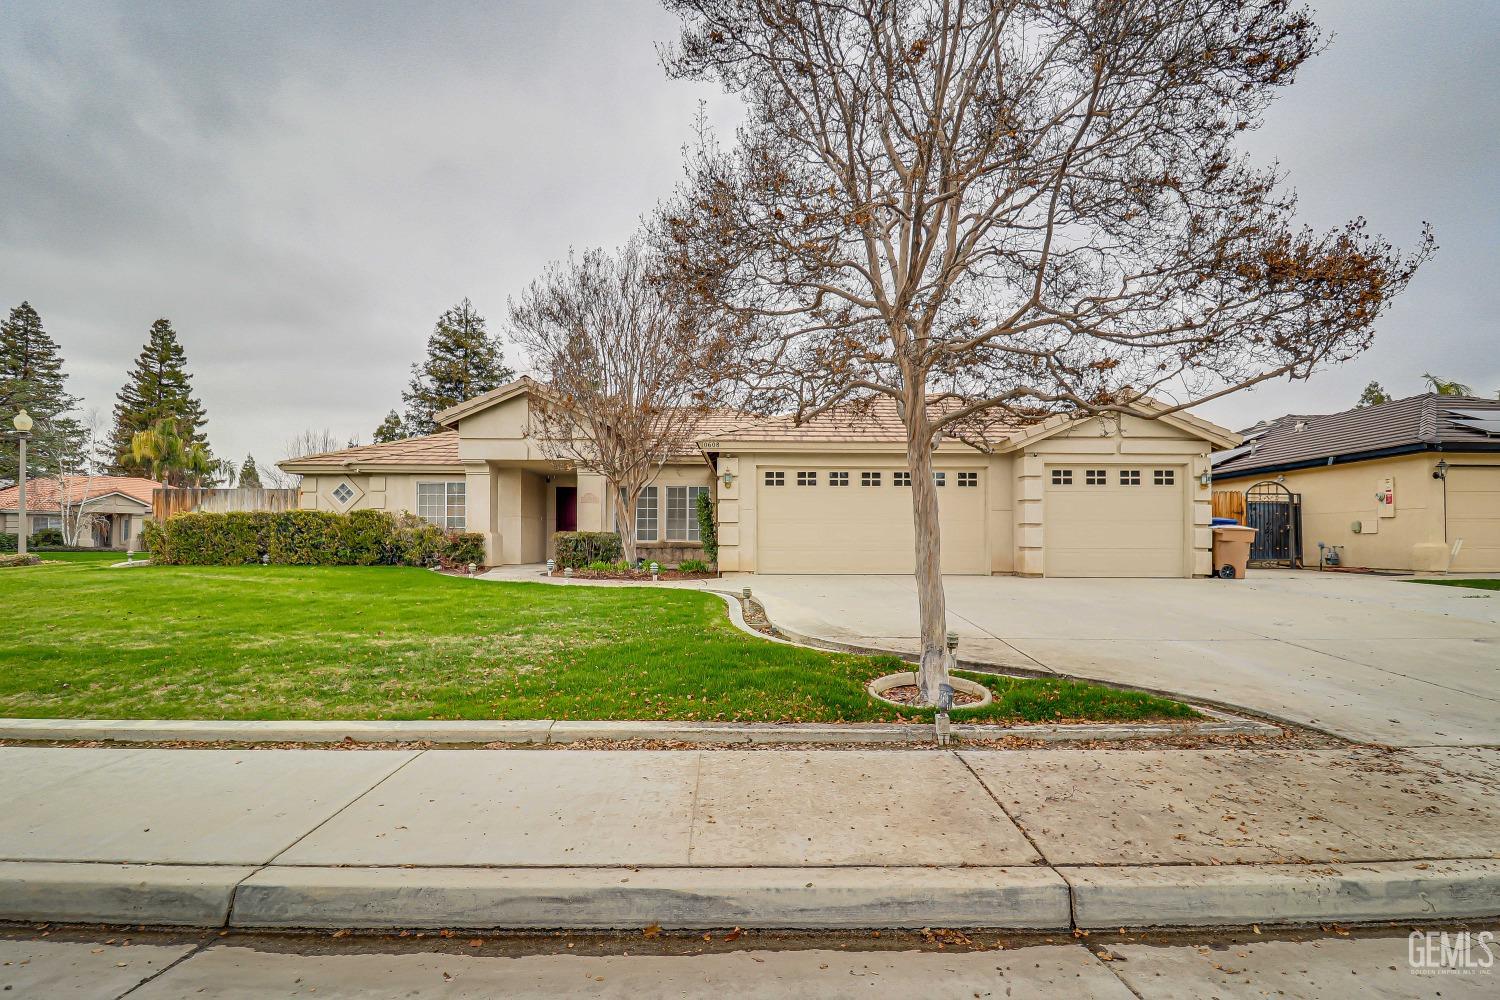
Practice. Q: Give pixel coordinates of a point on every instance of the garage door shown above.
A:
(1474, 516)
(1114, 521)
(852, 520)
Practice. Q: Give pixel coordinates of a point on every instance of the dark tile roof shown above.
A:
(1430, 421)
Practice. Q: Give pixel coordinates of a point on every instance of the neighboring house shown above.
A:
(1395, 485)
(1065, 497)
(110, 509)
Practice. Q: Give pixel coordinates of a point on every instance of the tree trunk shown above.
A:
(933, 682)
(625, 500)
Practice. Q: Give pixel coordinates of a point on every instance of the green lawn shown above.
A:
(391, 643)
(1477, 584)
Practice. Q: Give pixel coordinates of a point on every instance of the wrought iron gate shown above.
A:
(1275, 513)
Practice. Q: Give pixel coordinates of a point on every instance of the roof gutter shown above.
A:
(1363, 456)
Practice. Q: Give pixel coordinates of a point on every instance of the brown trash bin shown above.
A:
(1232, 550)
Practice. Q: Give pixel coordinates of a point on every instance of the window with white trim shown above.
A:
(901, 479)
(940, 479)
(869, 479)
(646, 510)
(807, 479)
(838, 479)
(442, 504)
(1164, 477)
(1130, 477)
(1062, 477)
(1095, 477)
(682, 513)
(969, 479)
(776, 479)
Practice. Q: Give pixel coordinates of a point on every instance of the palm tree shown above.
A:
(1443, 387)
(169, 458)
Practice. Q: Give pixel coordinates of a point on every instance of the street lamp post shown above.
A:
(22, 424)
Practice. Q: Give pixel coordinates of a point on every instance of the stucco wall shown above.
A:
(1407, 535)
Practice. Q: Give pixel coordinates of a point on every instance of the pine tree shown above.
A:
(463, 361)
(1373, 395)
(249, 474)
(391, 429)
(31, 377)
(159, 387)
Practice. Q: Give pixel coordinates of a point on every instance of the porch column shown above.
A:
(479, 513)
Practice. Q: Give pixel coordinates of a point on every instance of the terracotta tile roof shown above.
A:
(872, 421)
(431, 449)
(1450, 423)
(42, 494)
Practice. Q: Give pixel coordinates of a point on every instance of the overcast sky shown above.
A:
(302, 187)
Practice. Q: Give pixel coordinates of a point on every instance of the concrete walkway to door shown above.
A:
(1369, 658)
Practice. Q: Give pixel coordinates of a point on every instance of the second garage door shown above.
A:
(1114, 521)
(851, 520)
(1474, 516)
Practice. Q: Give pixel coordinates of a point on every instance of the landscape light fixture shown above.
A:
(22, 423)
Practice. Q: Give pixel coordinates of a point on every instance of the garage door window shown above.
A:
(869, 479)
(807, 479)
(1062, 477)
(969, 479)
(940, 479)
(901, 479)
(646, 510)
(776, 479)
(1164, 477)
(1130, 477)
(838, 479)
(1095, 477)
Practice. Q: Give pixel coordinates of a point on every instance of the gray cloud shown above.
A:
(303, 187)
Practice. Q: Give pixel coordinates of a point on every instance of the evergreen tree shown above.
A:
(159, 387)
(1373, 395)
(31, 377)
(249, 474)
(463, 361)
(391, 429)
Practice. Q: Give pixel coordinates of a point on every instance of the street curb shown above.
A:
(609, 898)
(547, 731)
(1039, 898)
(1237, 895)
(84, 893)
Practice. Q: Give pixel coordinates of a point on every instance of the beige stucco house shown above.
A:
(111, 509)
(1395, 486)
(1095, 497)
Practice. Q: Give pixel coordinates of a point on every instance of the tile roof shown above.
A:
(1428, 421)
(432, 449)
(42, 494)
(867, 421)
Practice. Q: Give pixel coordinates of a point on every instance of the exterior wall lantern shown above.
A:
(1440, 471)
(1205, 479)
(728, 480)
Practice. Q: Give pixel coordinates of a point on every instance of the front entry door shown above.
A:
(567, 508)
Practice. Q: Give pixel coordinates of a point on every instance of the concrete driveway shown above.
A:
(1369, 658)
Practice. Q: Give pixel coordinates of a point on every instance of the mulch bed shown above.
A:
(907, 694)
(665, 574)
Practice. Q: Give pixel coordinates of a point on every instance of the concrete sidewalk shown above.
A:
(572, 838)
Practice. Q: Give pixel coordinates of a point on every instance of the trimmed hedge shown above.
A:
(49, 537)
(307, 538)
(579, 548)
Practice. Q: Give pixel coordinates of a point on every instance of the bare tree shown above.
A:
(625, 383)
(73, 511)
(989, 209)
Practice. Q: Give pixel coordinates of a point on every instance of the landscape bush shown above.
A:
(708, 528)
(308, 538)
(580, 548)
(12, 561)
(693, 566)
(48, 537)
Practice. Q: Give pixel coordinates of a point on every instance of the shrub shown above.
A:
(154, 541)
(417, 542)
(693, 566)
(708, 528)
(46, 536)
(461, 548)
(305, 537)
(369, 538)
(580, 548)
(600, 566)
(211, 540)
(10, 561)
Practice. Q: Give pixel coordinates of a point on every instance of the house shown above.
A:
(112, 509)
(1065, 497)
(1396, 485)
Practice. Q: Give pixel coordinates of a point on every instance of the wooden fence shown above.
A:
(1229, 503)
(185, 499)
